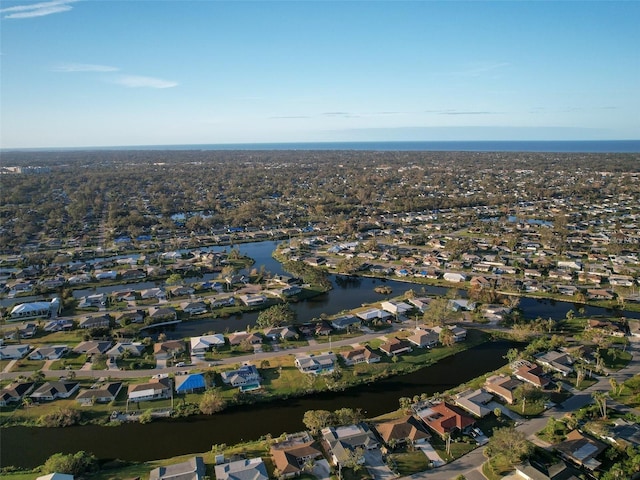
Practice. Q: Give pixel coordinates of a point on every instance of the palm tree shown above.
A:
(601, 400)
(447, 439)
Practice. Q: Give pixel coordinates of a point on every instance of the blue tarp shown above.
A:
(189, 383)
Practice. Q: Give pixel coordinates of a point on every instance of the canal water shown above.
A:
(28, 447)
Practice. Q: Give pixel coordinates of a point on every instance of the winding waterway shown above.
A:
(28, 447)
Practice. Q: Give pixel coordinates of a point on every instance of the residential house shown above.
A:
(62, 325)
(424, 338)
(360, 355)
(246, 375)
(250, 338)
(169, 349)
(93, 347)
(162, 314)
(292, 455)
(205, 343)
(537, 471)
(28, 330)
(396, 308)
(599, 294)
(32, 310)
(155, 292)
(14, 392)
(132, 274)
(407, 430)
(106, 275)
(253, 299)
(461, 305)
(134, 316)
(99, 394)
(280, 333)
(52, 352)
(395, 346)
(581, 450)
(98, 321)
(421, 303)
(14, 352)
(194, 308)
(223, 301)
(316, 364)
(50, 391)
(374, 314)
(345, 321)
(624, 433)
(155, 389)
(621, 280)
(55, 476)
(532, 374)
(607, 327)
(557, 361)
(454, 277)
(192, 469)
(79, 279)
(288, 291)
(96, 300)
(475, 402)
(444, 418)
(194, 382)
(322, 328)
(503, 386)
(133, 349)
(340, 442)
(246, 469)
(459, 333)
(181, 290)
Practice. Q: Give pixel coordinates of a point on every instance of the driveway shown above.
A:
(505, 411)
(321, 470)
(430, 453)
(376, 466)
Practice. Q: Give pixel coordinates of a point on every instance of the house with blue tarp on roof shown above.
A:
(190, 383)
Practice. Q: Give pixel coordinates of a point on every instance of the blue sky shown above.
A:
(110, 73)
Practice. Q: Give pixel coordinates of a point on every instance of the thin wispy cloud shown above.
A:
(138, 81)
(83, 67)
(480, 69)
(467, 113)
(34, 10)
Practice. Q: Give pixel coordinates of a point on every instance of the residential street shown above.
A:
(253, 357)
(471, 464)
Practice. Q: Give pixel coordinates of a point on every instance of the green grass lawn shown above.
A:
(614, 358)
(73, 360)
(25, 365)
(409, 462)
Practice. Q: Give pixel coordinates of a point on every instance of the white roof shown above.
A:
(56, 476)
(31, 307)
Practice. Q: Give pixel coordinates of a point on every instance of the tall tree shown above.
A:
(509, 444)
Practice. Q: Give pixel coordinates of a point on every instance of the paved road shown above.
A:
(470, 465)
(254, 357)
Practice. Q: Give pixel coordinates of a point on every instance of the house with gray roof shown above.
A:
(246, 469)
(14, 352)
(558, 361)
(99, 394)
(192, 469)
(52, 352)
(503, 386)
(246, 375)
(14, 392)
(52, 390)
(475, 402)
(316, 364)
(341, 441)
